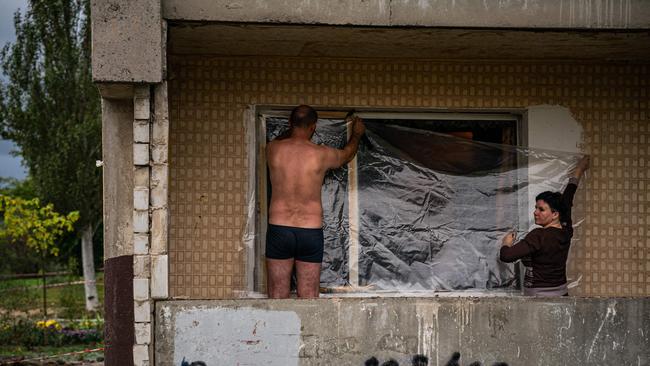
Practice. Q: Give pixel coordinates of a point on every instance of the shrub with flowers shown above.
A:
(29, 333)
(49, 324)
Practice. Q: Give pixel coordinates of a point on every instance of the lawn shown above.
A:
(10, 354)
(26, 296)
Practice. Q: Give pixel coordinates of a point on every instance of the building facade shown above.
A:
(183, 84)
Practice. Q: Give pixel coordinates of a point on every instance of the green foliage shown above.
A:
(18, 188)
(29, 333)
(17, 257)
(50, 108)
(38, 227)
(21, 331)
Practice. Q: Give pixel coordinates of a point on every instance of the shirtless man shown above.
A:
(295, 235)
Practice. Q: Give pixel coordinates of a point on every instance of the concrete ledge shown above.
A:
(368, 12)
(572, 331)
(615, 14)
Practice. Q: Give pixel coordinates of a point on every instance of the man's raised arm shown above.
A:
(336, 158)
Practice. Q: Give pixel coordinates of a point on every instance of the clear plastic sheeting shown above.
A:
(432, 208)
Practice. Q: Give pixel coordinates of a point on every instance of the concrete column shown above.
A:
(117, 137)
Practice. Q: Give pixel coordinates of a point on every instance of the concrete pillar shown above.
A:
(117, 134)
(135, 143)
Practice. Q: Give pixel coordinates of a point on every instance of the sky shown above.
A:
(9, 165)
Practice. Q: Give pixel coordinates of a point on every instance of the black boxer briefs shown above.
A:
(285, 242)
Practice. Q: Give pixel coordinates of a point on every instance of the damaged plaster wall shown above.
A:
(244, 336)
(553, 127)
(349, 331)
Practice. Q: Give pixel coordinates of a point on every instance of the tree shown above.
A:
(37, 227)
(16, 256)
(50, 108)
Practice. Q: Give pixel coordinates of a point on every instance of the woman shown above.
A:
(544, 250)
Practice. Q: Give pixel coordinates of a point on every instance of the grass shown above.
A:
(12, 353)
(26, 296)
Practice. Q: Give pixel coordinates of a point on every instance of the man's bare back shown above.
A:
(297, 168)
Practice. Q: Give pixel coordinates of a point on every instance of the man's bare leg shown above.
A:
(308, 276)
(278, 277)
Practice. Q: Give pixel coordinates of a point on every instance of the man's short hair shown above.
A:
(303, 116)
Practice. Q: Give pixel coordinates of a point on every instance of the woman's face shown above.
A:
(543, 214)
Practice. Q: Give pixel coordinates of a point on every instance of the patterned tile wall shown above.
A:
(208, 161)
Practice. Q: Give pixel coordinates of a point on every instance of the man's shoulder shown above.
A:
(309, 145)
(278, 143)
(291, 145)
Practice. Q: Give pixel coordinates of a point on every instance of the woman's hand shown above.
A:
(509, 239)
(581, 167)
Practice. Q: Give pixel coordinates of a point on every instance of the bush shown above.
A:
(29, 333)
(24, 332)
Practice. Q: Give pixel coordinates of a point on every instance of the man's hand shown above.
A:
(509, 239)
(358, 128)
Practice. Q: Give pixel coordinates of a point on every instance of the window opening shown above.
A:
(370, 245)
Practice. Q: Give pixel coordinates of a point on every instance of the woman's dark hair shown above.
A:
(554, 201)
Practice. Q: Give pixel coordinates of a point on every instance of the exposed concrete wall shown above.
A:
(590, 14)
(348, 331)
(553, 127)
(127, 38)
(117, 154)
